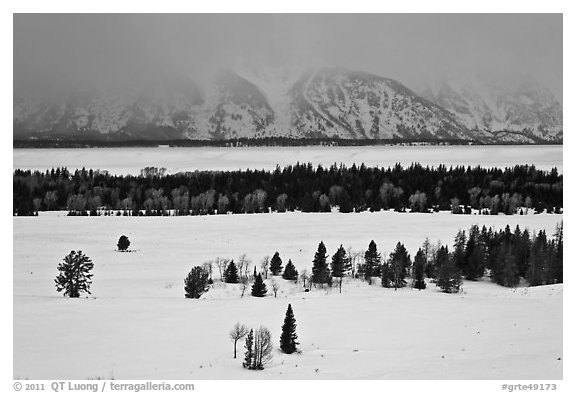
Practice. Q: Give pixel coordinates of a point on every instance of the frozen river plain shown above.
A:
(138, 325)
(132, 160)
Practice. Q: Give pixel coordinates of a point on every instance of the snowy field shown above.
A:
(132, 160)
(138, 325)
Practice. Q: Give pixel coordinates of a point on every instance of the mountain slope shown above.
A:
(525, 112)
(324, 102)
(358, 105)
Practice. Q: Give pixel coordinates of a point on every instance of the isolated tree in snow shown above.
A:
(238, 332)
(75, 274)
(288, 337)
(276, 264)
(290, 272)
(449, 277)
(340, 264)
(419, 268)
(372, 260)
(259, 288)
(123, 243)
(231, 274)
(320, 272)
(196, 283)
(249, 354)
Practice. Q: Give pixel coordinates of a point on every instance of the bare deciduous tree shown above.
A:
(304, 276)
(222, 264)
(275, 287)
(262, 348)
(208, 266)
(264, 265)
(355, 257)
(243, 265)
(237, 332)
(243, 285)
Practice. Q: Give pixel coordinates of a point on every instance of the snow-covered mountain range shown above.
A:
(322, 102)
(521, 112)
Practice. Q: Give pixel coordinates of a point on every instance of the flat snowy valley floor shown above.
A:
(138, 325)
(132, 160)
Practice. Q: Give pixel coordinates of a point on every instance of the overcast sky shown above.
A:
(70, 50)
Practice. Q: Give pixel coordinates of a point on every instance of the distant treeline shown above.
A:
(99, 141)
(295, 187)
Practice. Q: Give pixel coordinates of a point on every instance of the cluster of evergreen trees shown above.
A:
(505, 256)
(295, 187)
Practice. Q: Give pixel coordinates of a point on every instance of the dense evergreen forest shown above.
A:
(99, 140)
(296, 187)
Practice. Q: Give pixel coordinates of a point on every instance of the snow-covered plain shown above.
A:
(138, 325)
(132, 160)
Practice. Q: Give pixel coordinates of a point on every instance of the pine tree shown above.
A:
(196, 283)
(386, 275)
(474, 255)
(231, 274)
(123, 243)
(290, 272)
(535, 272)
(372, 259)
(276, 264)
(449, 277)
(249, 354)
(507, 274)
(522, 250)
(288, 337)
(259, 288)
(340, 264)
(399, 263)
(75, 276)
(558, 263)
(442, 257)
(419, 268)
(320, 272)
(459, 250)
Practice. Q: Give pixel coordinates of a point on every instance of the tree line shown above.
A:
(300, 187)
(505, 256)
(99, 140)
